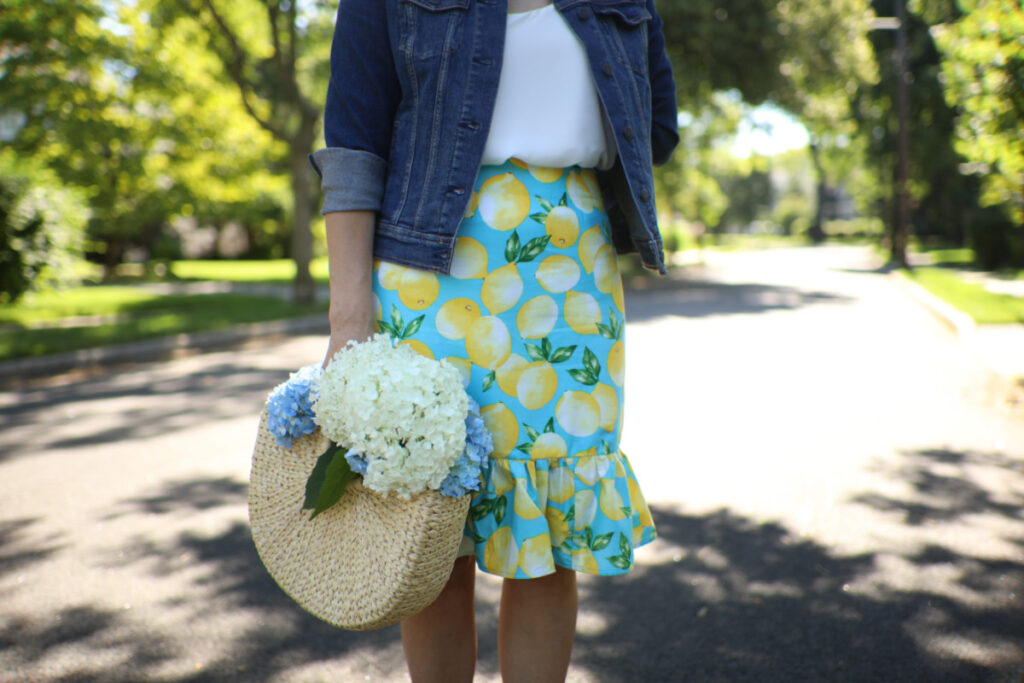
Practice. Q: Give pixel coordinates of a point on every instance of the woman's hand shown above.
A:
(350, 262)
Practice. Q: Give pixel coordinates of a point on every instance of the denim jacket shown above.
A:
(409, 106)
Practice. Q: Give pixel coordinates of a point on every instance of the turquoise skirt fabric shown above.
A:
(532, 315)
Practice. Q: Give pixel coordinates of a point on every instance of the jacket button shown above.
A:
(583, 13)
(645, 195)
(458, 190)
(607, 70)
(628, 133)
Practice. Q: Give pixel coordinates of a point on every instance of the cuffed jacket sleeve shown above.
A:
(664, 110)
(362, 97)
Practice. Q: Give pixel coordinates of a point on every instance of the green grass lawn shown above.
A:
(275, 270)
(140, 314)
(972, 298)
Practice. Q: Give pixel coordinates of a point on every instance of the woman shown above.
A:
(485, 162)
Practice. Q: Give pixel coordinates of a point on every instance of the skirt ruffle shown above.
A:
(584, 512)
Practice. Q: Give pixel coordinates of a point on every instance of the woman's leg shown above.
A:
(440, 641)
(536, 627)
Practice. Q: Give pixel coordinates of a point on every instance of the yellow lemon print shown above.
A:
(611, 502)
(522, 503)
(537, 317)
(469, 261)
(639, 504)
(558, 273)
(508, 374)
(501, 423)
(537, 384)
(549, 446)
(501, 478)
(535, 557)
(592, 240)
(389, 275)
(563, 226)
(586, 509)
(578, 413)
(488, 342)
(474, 201)
(558, 528)
(583, 561)
(378, 310)
(540, 480)
(463, 366)
(560, 484)
(591, 469)
(418, 289)
(582, 312)
(501, 553)
(501, 289)
(580, 192)
(455, 317)
(618, 296)
(418, 346)
(504, 202)
(545, 174)
(608, 399)
(606, 269)
(616, 362)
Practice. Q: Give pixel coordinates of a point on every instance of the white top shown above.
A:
(547, 112)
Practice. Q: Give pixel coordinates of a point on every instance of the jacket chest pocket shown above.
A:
(430, 28)
(627, 22)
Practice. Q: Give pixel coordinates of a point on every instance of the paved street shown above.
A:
(837, 489)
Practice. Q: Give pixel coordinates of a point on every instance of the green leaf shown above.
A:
(545, 204)
(564, 201)
(477, 538)
(619, 561)
(625, 547)
(396, 319)
(336, 479)
(590, 362)
(384, 326)
(499, 509)
(525, 447)
(413, 327)
(512, 247)
(583, 376)
(534, 248)
(580, 540)
(571, 514)
(533, 433)
(488, 380)
(546, 348)
(601, 542)
(606, 332)
(539, 217)
(626, 510)
(316, 477)
(534, 352)
(563, 354)
(567, 546)
(482, 509)
(590, 538)
(549, 427)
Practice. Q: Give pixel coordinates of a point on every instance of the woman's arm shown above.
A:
(350, 255)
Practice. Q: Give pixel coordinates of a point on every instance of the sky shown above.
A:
(768, 130)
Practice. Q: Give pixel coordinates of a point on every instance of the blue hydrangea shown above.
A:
(465, 473)
(290, 406)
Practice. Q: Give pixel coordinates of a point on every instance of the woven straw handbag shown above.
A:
(365, 563)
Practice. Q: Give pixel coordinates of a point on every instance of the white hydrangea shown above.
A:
(404, 413)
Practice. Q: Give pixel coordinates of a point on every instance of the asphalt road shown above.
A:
(838, 494)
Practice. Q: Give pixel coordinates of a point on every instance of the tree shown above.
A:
(983, 78)
(260, 49)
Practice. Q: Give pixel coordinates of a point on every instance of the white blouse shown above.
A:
(547, 112)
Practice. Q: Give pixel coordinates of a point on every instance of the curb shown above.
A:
(161, 347)
(952, 317)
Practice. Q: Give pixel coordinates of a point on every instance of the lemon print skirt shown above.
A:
(532, 315)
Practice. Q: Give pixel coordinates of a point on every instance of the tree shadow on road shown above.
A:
(719, 597)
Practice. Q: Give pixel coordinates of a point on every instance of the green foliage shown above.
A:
(972, 298)
(983, 74)
(40, 228)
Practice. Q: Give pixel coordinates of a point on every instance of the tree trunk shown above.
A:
(817, 229)
(303, 288)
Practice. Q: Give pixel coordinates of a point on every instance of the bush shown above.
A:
(41, 228)
(995, 240)
(855, 227)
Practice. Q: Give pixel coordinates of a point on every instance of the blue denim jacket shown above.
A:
(409, 106)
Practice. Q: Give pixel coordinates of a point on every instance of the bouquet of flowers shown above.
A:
(401, 421)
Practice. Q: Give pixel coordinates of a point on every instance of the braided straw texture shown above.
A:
(365, 563)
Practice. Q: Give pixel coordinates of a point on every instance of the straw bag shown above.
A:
(367, 562)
